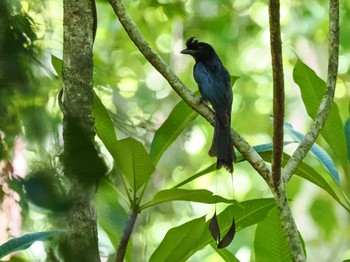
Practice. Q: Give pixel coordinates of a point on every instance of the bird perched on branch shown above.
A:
(214, 85)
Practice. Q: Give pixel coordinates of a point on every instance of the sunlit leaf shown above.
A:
(133, 161)
(224, 253)
(317, 151)
(176, 122)
(110, 214)
(270, 244)
(194, 195)
(312, 90)
(57, 65)
(181, 242)
(320, 178)
(25, 241)
(104, 125)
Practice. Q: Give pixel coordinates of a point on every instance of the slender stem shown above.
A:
(325, 106)
(123, 244)
(278, 88)
(278, 189)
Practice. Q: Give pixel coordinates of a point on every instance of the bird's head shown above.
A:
(199, 50)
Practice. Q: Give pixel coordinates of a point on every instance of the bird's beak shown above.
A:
(188, 52)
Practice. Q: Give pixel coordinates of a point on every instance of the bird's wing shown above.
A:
(214, 86)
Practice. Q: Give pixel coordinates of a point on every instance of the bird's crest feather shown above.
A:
(192, 43)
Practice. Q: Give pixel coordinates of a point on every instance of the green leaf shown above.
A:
(177, 121)
(183, 241)
(110, 214)
(224, 253)
(195, 195)
(323, 213)
(321, 179)
(347, 136)
(233, 79)
(177, 244)
(25, 241)
(133, 161)
(130, 156)
(57, 65)
(104, 125)
(203, 172)
(270, 244)
(172, 127)
(317, 151)
(312, 90)
(258, 148)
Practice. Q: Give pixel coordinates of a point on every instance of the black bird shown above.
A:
(214, 85)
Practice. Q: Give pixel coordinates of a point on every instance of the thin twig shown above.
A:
(189, 97)
(123, 244)
(278, 89)
(326, 103)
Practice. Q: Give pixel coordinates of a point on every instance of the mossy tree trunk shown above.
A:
(82, 166)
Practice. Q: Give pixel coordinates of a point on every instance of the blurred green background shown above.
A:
(140, 100)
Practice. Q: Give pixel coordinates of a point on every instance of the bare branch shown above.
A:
(326, 103)
(286, 216)
(278, 89)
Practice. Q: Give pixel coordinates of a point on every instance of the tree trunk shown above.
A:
(82, 166)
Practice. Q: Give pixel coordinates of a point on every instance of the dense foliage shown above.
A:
(156, 146)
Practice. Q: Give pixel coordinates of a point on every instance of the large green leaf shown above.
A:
(195, 195)
(269, 243)
(317, 151)
(320, 178)
(183, 241)
(25, 241)
(172, 127)
(133, 161)
(180, 242)
(104, 125)
(312, 90)
(110, 214)
(324, 181)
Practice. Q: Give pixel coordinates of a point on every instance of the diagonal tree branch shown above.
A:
(278, 89)
(325, 106)
(191, 99)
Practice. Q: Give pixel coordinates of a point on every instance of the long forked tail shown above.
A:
(222, 146)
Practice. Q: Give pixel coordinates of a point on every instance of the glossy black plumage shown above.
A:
(214, 85)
